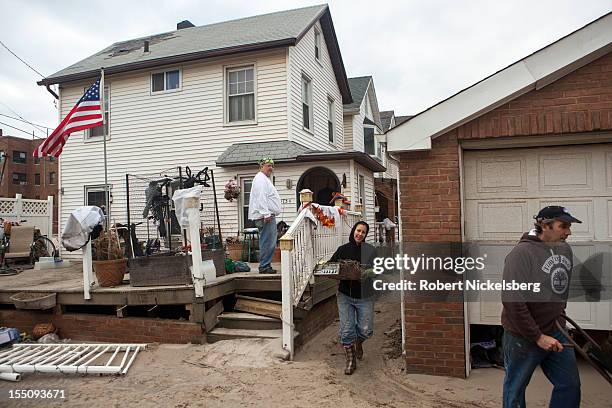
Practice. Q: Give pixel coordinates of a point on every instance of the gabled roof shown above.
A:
(533, 72)
(385, 119)
(359, 87)
(401, 119)
(286, 151)
(280, 29)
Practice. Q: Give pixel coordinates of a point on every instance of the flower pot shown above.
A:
(110, 273)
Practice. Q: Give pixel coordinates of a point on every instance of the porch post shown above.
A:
(87, 270)
(286, 246)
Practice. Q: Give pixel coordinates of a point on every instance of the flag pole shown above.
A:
(106, 190)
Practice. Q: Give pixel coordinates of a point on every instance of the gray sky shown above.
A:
(419, 52)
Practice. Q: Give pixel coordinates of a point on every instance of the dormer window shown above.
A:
(317, 37)
(369, 142)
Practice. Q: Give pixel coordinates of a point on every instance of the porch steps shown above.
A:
(223, 333)
(249, 321)
(258, 306)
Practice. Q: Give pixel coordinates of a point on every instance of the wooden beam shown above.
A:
(264, 307)
(210, 316)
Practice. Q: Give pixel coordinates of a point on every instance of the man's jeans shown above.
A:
(521, 358)
(267, 241)
(356, 318)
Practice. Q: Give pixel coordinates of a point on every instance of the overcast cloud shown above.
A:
(419, 52)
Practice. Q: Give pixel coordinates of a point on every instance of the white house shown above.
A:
(221, 95)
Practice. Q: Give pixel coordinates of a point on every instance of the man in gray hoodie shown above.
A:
(531, 337)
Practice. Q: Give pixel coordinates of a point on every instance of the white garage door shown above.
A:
(505, 188)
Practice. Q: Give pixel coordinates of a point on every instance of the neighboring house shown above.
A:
(364, 130)
(221, 95)
(477, 166)
(21, 173)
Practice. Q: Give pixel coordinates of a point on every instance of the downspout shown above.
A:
(52, 92)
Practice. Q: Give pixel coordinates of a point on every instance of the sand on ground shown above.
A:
(249, 373)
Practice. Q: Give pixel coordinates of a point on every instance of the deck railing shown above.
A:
(306, 243)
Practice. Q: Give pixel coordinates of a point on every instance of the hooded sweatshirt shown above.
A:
(364, 254)
(528, 314)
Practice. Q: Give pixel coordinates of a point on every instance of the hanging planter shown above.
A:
(231, 191)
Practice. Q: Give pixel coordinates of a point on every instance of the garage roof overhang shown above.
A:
(533, 72)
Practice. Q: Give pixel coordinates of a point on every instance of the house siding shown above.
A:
(302, 61)
(152, 133)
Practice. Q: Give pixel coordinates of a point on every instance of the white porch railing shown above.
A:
(304, 245)
(37, 213)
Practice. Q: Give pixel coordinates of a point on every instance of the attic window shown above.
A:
(166, 81)
(317, 36)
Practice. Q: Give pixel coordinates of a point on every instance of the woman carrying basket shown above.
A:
(355, 297)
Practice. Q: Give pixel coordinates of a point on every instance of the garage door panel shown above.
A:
(504, 188)
(566, 172)
(501, 174)
(581, 209)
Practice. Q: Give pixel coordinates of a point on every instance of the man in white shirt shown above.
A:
(264, 206)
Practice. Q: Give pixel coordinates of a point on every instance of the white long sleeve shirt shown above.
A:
(264, 200)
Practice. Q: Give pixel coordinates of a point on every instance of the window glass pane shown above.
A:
(241, 87)
(305, 116)
(249, 74)
(241, 76)
(96, 197)
(241, 108)
(368, 140)
(37, 179)
(172, 79)
(233, 89)
(233, 77)
(158, 82)
(249, 86)
(37, 160)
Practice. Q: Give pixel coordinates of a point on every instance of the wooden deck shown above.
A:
(68, 284)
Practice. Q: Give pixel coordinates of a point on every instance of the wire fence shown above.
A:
(152, 218)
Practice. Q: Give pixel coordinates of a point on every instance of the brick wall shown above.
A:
(90, 327)
(387, 188)
(579, 102)
(318, 318)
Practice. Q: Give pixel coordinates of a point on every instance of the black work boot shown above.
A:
(359, 348)
(351, 362)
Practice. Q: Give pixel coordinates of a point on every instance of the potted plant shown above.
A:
(231, 191)
(109, 262)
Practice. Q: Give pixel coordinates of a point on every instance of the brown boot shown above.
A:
(351, 362)
(359, 348)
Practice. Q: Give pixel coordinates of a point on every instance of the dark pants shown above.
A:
(521, 358)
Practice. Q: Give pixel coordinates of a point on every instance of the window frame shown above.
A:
(20, 183)
(362, 195)
(52, 181)
(308, 103)
(88, 138)
(226, 95)
(37, 179)
(244, 220)
(317, 44)
(25, 157)
(96, 188)
(165, 72)
(331, 120)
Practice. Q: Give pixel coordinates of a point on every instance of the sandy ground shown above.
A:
(247, 373)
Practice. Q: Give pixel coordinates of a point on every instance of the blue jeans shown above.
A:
(356, 318)
(521, 358)
(267, 241)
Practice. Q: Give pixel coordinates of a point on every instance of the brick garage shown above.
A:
(101, 328)
(578, 103)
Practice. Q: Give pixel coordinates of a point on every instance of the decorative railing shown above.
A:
(36, 213)
(306, 243)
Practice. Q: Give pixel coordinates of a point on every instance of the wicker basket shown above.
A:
(34, 300)
(349, 270)
(41, 329)
(110, 273)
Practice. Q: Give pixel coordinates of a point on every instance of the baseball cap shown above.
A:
(556, 212)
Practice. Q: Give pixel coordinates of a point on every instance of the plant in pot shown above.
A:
(109, 261)
(233, 247)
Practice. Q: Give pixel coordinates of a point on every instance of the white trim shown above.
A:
(165, 71)
(226, 68)
(308, 78)
(332, 119)
(533, 72)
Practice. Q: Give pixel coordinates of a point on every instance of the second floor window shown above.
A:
(98, 132)
(20, 178)
(37, 179)
(368, 140)
(307, 103)
(330, 119)
(241, 94)
(165, 81)
(37, 160)
(52, 178)
(19, 157)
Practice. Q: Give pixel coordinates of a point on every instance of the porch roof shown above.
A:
(287, 151)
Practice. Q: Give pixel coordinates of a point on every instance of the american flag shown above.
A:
(87, 113)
